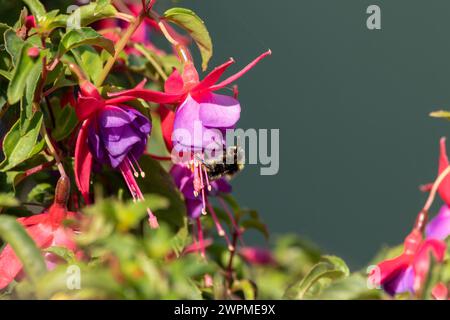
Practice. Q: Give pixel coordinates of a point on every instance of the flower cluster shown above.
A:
(99, 125)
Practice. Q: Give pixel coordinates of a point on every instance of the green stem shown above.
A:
(155, 64)
(119, 47)
(53, 151)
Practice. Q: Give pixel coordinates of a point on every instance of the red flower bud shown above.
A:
(30, 22)
(255, 255)
(33, 52)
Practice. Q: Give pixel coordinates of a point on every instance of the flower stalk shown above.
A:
(120, 46)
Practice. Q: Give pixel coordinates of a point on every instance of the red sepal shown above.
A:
(83, 162)
(167, 119)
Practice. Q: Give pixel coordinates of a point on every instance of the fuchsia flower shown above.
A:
(47, 230)
(197, 100)
(198, 106)
(112, 134)
(407, 272)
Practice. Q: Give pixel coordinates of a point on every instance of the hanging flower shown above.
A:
(407, 272)
(200, 110)
(196, 99)
(112, 134)
(47, 230)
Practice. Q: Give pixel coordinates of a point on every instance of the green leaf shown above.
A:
(65, 122)
(24, 247)
(18, 146)
(90, 13)
(30, 88)
(21, 73)
(78, 37)
(351, 288)
(330, 267)
(89, 60)
(5, 74)
(440, 114)
(9, 180)
(51, 21)
(188, 20)
(247, 288)
(13, 44)
(63, 253)
(8, 200)
(42, 193)
(95, 283)
(36, 8)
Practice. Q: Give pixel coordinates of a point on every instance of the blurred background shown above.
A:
(351, 104)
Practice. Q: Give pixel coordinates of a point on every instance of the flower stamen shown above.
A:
(219, 227)
(125, 169)
(138, 166)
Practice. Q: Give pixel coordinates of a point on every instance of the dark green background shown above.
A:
(352, 108)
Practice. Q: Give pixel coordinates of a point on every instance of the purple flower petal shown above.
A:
(439, 226)
(178, 172)
(194, 208)
(190, 133)
(220, 186)
(116, 133)
(128, 137)
(113, 117)
(219, 111)
(141, 122)
(403, 282)
(96, 146)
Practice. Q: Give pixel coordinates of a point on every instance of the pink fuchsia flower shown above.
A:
(200, 110)
(47, 230)
(257, 256)
(407, 272)
(197, 102)
(112, 134)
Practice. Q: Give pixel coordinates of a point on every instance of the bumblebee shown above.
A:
(227, 165)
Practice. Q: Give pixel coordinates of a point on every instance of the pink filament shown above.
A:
(233, 221)
(132, 185)
(219, 227)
